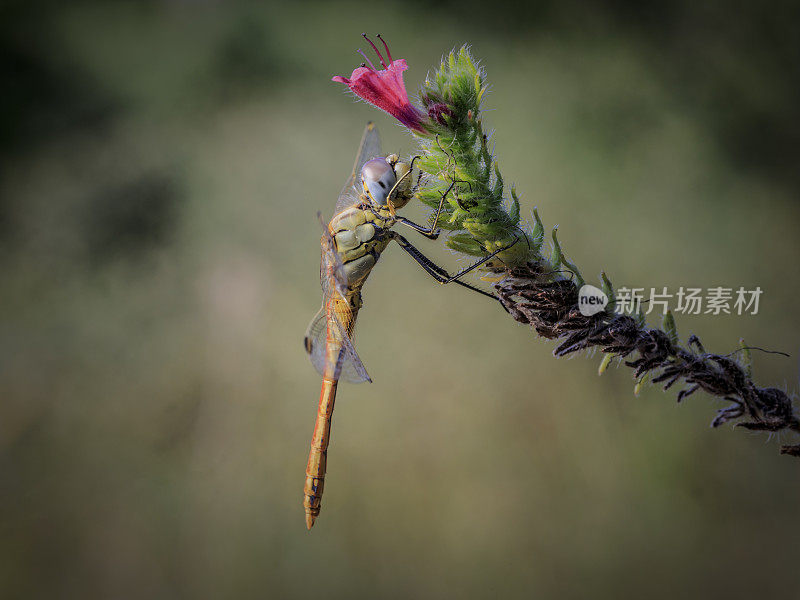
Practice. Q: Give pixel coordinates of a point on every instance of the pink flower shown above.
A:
(385, 88)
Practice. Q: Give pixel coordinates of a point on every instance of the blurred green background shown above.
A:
(162, 164)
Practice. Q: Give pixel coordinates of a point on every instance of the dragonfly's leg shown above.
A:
(437, 272)
(478, 263)
(429, 232)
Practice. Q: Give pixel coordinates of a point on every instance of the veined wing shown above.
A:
(332, 276)
(370, 147)
(331, 329)
(325, 329)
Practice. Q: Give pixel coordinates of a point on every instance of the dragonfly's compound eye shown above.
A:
(378, 178)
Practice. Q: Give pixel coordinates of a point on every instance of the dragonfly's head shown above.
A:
(385, 179)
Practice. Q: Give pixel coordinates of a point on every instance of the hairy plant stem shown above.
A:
(543, 292)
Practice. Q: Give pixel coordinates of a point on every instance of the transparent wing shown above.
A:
(349, 366)
(331, 270)
(370, 147)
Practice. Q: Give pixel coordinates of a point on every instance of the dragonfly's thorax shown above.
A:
(360, 234)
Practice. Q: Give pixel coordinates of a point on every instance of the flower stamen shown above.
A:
(374, 47)
(385, 45)
(371, 66)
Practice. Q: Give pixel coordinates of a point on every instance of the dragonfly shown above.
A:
(352, 243)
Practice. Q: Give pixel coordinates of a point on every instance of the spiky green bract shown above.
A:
(456, 157)
(458, 166)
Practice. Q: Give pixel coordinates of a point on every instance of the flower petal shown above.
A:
(386, 90)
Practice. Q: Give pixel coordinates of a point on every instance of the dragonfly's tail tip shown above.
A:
(310, 521)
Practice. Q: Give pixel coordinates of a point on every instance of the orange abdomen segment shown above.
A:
(317, 457)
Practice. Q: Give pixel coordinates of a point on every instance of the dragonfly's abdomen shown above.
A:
(318, 456)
